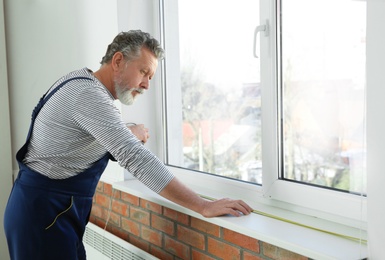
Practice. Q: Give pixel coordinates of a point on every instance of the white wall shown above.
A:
(376, 127)
(5, 137)
(45, 40)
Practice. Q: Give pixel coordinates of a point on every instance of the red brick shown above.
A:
(97, 211)
(116, 194)
(191, 237)
(102, 200)
(251, 256)
(160, 253)
(92, 219)
(117, 231)
(176, 248)
(130, 198)
(223, 250)
(108, 228)
(196, 255)
(177, 216)
(205, 227)
(130, 226)
(162, 224)
(100, 223)
(140, 216)
(144, 245)
(151, 206)
(99, 187)
(241, 240)
(107, 189)
(120, 207)
(280, 253)
(152, 236)
(113, 219)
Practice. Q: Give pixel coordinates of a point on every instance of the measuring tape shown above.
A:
(355, 239)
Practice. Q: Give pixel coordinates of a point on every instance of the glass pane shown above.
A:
(220, 88)
(323, 92)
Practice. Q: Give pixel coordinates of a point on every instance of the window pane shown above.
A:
(219, 80)
(323, 92)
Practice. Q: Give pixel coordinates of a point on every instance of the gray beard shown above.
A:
(124, 95)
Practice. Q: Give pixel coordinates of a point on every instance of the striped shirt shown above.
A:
(78, 125)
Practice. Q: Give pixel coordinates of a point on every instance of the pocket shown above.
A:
(61, 213)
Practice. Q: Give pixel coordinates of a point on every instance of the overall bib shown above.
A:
(45, 218)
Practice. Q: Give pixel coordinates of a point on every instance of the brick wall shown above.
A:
(169, 234)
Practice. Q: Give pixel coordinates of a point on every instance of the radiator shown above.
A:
(102, 245)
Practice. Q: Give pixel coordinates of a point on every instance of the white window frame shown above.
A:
(339, 207)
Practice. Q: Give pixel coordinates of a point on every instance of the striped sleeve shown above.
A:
(102, 120)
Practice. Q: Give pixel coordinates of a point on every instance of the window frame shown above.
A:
(336, 206)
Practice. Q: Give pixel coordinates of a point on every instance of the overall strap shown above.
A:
(44, 99)
(23, 150)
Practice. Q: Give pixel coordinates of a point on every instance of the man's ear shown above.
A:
(117, 60)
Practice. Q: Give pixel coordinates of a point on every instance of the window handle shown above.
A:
(260, 28)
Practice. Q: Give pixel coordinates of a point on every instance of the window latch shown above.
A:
(260, 28)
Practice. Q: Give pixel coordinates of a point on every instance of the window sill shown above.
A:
(301, 240)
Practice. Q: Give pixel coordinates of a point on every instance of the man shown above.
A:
(75, 130)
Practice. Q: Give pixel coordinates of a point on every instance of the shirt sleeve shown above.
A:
(97, 114)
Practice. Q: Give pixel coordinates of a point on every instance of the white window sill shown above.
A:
(301, 240)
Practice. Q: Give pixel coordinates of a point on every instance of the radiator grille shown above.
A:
(111, 246)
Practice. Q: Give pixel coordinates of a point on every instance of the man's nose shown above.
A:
(145, 83)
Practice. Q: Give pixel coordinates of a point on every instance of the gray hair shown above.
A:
(130, 44)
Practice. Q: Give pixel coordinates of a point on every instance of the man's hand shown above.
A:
(140, 132)
(184, 196)
(226, 206)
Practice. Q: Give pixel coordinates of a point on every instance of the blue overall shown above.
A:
(45, 218)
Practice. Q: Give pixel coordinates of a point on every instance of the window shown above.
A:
(323, 93)
(269, 97)
(219, 84)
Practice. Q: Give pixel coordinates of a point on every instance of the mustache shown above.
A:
(139, 90)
